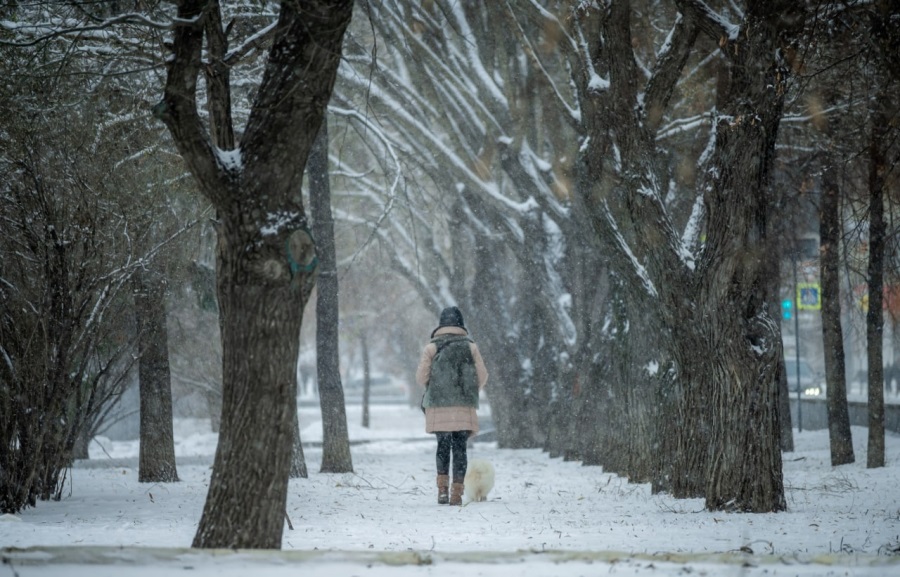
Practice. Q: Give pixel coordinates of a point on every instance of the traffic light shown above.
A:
(787, 309)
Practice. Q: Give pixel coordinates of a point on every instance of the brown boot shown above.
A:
(443, 485)
(456, 493)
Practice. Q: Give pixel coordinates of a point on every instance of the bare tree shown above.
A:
(265, 255)
(67, 260)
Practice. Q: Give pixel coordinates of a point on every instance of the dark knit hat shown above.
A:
(450, 317)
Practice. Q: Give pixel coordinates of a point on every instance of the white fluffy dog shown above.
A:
(479, 480)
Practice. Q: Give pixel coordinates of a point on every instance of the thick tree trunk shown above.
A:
(744, 455)
(336, 457)
(157, 447)
(590, 292)
(669, 401)
(726, 344)
(644, 413)
(832, 333)
(691, 426)
(591, 409)
(246, 510)
(261, 318)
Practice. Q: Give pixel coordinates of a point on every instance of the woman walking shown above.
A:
(452, 371)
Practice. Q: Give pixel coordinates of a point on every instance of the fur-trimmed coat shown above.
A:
(449, 419)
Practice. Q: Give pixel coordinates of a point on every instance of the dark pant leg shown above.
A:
(443, 453)
(458, 441)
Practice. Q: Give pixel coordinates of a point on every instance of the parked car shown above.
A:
(811, 383)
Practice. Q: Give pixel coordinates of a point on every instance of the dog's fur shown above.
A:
(479, 480)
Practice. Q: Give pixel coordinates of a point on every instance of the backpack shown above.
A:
(453, 380)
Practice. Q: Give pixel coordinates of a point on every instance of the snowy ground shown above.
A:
(544, 517)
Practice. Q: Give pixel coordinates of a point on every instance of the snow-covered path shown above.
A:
(550, 513)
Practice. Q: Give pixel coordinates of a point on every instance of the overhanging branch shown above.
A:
(131, 18)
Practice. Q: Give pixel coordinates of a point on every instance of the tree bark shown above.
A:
(157, 446)
(832, 334)
(336, 457)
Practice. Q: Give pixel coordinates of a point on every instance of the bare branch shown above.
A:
(571, 113)
(29, 29)
(179, 106)
(669, 64)
(252, 43)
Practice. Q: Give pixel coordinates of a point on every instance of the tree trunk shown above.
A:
(726, 344)
(298, 460)
(832, 333)
(786, 434)
(784, 406)
(261, 319)
(875, 315)
(336, 457)
(691, 427)
(157, 446)
(500, 349)
(82, 442)
(214, 408)
(367, 380)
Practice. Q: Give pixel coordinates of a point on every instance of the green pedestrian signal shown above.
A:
(787, 309)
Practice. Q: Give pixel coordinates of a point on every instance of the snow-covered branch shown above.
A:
(571, 112)
(39, 32)
(714, 24)
(670, 61)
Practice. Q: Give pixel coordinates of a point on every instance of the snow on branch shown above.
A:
(636, 267)
(682, 125)
(437, 146)
(562, 301)
(43, 31)
(250, 44)
(392, 191)
(459, 82)
(712, 23)
(473, 58)
(691, 234)
(231, 161)
(572, 112)
(670, 61)
(596, 83)
(9, 362)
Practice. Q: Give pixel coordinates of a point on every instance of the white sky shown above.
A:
(840, 521)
